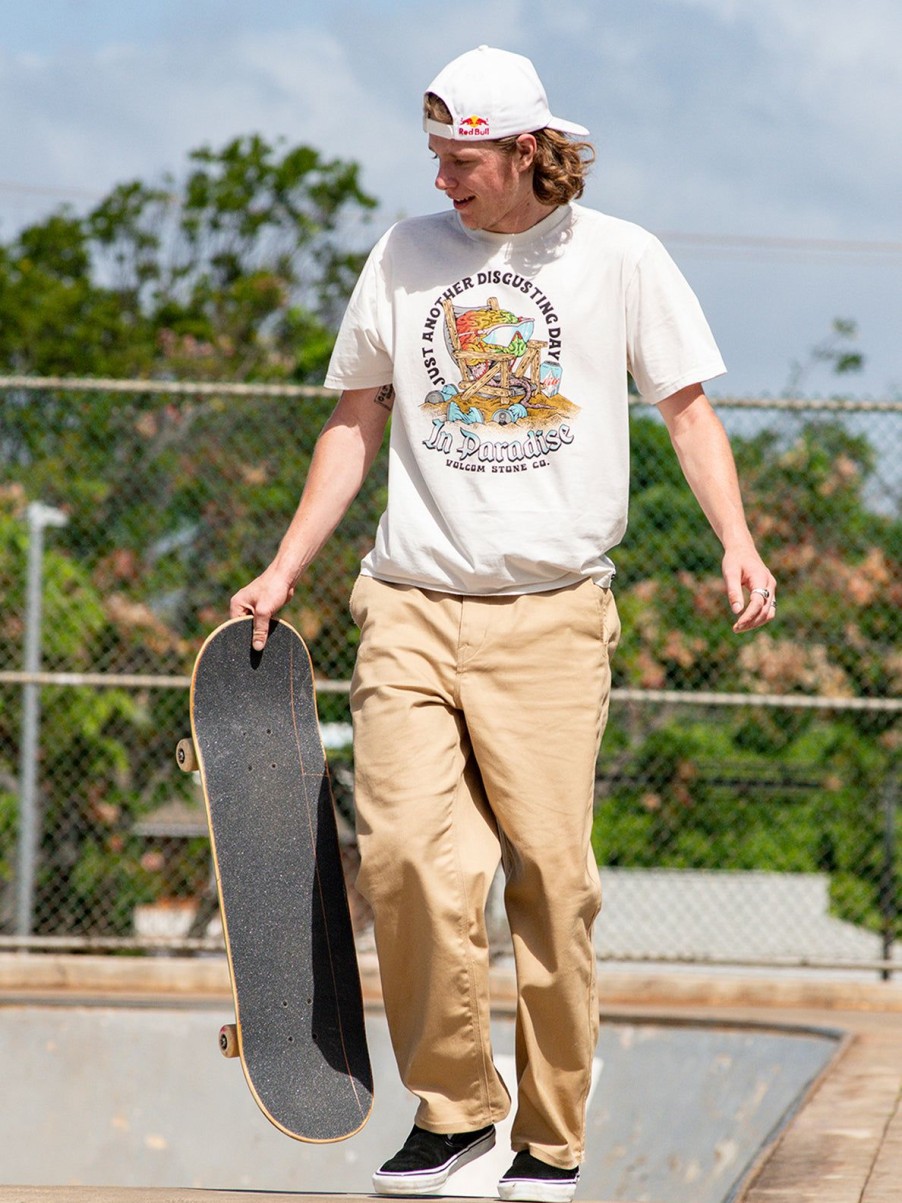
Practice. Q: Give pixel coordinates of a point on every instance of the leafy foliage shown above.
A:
(215, 278)
(240, 271)
(745, 788)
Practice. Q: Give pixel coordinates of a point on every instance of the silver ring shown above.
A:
(765, 593)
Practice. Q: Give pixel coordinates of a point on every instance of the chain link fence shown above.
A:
(747, 786)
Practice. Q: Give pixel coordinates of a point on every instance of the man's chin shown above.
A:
(470, 220)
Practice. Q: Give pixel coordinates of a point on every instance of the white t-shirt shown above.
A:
(509, 354)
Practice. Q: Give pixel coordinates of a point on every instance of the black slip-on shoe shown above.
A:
(532, 1181)
(427, 1159)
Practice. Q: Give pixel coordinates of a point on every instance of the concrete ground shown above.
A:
(843, 1144)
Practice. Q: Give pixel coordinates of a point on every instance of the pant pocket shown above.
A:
(355, 604)
(610, 619)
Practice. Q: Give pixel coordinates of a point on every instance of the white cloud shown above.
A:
(828, 77)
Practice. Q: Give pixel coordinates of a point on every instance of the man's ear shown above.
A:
(526, 151)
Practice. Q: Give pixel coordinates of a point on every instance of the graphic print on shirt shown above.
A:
(492, 395)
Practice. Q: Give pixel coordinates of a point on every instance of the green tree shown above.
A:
(240, 273)
(54, 317)
(836, 351)
(237, 272)
(240, 261)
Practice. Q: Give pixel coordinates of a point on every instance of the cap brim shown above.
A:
(442, 130)
(567, 127)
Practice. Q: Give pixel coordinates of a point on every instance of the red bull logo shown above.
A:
(473, 127)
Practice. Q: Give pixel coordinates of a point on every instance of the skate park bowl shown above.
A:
(133, 1092)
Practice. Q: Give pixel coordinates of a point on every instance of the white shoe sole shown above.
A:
(424, 1183)
(531, 1190)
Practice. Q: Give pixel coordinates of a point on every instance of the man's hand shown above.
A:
(261, 599)
(746, 571)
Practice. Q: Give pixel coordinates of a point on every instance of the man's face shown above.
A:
(490, 188)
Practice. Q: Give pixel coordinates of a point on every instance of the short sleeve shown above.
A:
(361, 357)
(669, 341)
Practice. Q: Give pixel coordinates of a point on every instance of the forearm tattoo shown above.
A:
(385, 397)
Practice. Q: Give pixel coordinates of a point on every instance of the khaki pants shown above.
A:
(477, 722)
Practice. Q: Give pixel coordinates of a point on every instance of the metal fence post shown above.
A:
(39, 516)
(888, 902)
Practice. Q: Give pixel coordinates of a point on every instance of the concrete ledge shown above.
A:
(63, 975)
(184, 977)
(39, 973)
(697, 988)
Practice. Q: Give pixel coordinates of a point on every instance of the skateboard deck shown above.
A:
(299, 1027)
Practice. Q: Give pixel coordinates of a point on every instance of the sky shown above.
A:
(759, 138)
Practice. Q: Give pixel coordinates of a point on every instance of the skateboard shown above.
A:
(299, 1022)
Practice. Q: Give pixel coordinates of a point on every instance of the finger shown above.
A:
(733, 582)
(759, 611)
(239, 608)
(750, 615)
(746, 619)
(746, 611)
(260, 632)
(242, 606)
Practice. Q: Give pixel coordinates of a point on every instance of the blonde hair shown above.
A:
(561, 166)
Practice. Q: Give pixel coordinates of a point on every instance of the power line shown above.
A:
(21, 189)
(736, 243)
(763, 242)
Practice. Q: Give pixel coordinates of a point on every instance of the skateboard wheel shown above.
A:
(186, 756)
(228, 1040)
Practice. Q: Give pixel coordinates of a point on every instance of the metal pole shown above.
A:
(39, 516)
(888, 883)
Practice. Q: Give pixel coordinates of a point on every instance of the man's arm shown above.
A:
(343, 456)
(703, 449)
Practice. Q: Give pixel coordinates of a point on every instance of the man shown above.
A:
(500, 336)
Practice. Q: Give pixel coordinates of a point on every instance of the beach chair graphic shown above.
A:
(498, 360)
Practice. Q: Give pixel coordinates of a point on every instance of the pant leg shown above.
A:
(535, 694)
(429, 849)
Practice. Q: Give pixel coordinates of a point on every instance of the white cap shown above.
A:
(493, 94)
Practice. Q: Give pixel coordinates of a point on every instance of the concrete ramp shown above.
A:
(137, 1096)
